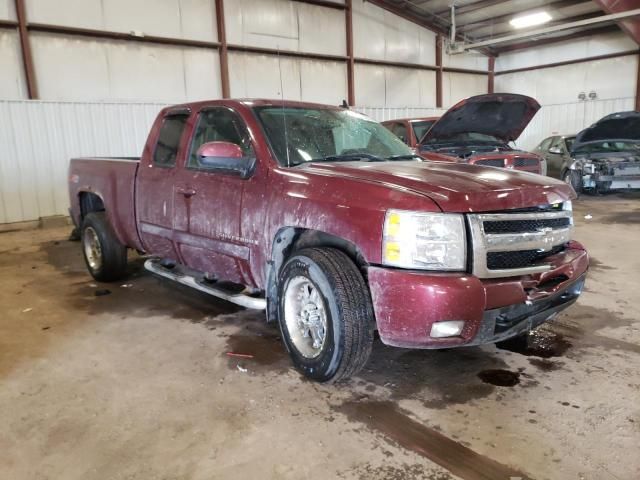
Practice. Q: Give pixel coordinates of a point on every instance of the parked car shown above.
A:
(324, 218)
(479, 130)
(606, 156)
(410, 130)
(556, 150)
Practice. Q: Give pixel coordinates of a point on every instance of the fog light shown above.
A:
(447, 329)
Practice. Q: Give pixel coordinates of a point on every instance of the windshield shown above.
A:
(467, 137)
(299, 135)
(569, 142)
(610, 146)
(422, 127)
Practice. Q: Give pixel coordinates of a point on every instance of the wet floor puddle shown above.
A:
(539, 343)
(500, 378)
(388, 419)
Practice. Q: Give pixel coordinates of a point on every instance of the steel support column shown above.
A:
(351, 89)
(492, 74)
(222, 49)
(439, 41)
(25, 47)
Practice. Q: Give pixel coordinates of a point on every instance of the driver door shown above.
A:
(209, 202)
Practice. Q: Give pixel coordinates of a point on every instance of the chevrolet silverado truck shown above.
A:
(326, 220)
(479, 131)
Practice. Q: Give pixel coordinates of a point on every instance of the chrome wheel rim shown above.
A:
(305, 316)
(92, 249)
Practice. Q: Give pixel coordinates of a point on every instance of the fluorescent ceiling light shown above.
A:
(530, 20)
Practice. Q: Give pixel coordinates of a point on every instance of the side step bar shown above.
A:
(154, 266)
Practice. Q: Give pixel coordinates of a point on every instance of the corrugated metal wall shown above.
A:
(569, 118)
(38, 138)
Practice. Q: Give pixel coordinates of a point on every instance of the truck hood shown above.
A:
(454, 187)
(502, 115)
(623, 126)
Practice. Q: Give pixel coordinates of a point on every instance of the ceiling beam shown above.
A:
(472, 7)
(630, 26)
(406, 14)
(614, 17)
(418, 19)
(561, 38)
(560, 21)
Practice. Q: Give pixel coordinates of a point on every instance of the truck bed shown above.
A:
(113, 181)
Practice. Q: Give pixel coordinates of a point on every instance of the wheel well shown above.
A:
(90, 202)
(289, 240)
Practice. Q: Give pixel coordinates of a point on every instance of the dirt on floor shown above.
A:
(134, 380)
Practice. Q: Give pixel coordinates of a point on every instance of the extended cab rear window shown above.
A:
(171, 131)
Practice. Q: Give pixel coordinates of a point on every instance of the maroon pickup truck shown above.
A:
(476, 131)
(328, 221)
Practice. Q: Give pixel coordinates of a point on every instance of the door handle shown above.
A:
(187, 192)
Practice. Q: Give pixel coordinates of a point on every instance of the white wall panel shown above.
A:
(381, 114)
(370, 85)
(38, 138)
(472, 61)
(569, 50)
(456, 86)
(12, 83)
(7, 10)
(286, 25)
(84, 69)
(192, 19)
(258, 76)
(394, 87)
(381, 35)
(323, 82)
(609, 78)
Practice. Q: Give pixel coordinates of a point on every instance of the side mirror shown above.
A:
(226, 157)
(555, 150)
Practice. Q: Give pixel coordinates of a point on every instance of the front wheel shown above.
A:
(105, 256)
(573, 178)
(325, 314)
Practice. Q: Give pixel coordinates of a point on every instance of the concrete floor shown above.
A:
(138, 384)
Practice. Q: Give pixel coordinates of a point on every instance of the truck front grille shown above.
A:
(491, 162)
(513, 244)
(525, 162)
(522, 226)
(519, 259)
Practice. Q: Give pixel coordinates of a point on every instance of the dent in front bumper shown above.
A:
(407, 303)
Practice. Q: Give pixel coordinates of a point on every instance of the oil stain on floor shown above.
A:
(388, 419)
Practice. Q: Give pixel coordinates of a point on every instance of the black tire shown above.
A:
(111, 254)
(574, 179)
(347, 305)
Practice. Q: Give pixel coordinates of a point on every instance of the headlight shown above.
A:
(429, 241)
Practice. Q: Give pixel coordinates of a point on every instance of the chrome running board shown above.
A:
(242, 299)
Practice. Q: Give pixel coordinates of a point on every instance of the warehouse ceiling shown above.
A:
(482, 20)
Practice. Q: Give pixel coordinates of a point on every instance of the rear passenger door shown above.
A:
(154, 196)
(208, 228)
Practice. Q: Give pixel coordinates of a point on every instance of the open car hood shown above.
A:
(622, 126)
(503, 115)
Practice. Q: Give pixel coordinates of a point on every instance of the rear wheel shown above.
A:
(325, 314)
(105, 256)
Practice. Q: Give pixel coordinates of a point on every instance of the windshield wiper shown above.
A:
(349, 157)
(409, 156)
